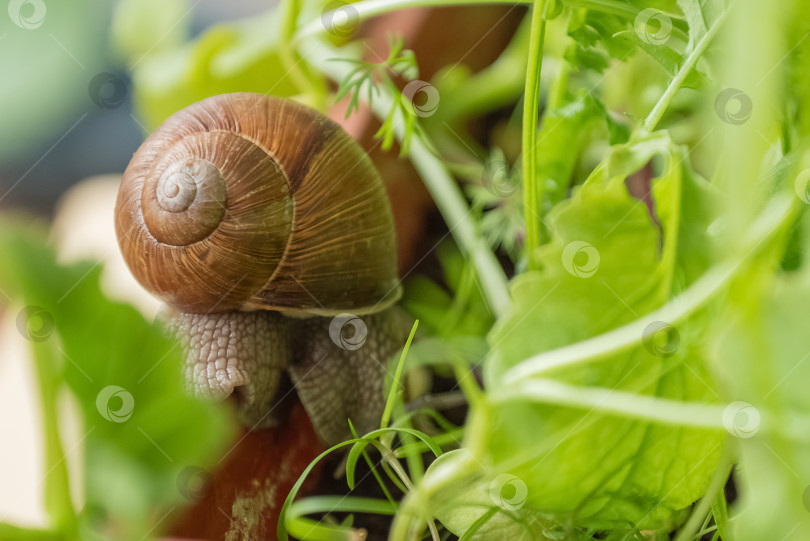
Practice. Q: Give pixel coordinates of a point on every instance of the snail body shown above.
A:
(242, 210)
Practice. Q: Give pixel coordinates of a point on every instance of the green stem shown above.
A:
(290, 10)
(658, 111)
(418, 448)
(58, 502)
(621, 403)
(415, 465)
(372, 469)
(445, 190)
(533, 187)
(289, 16)
(613, 7)
(451, 203)
(700, 512)
(392, 394)
(365, 9)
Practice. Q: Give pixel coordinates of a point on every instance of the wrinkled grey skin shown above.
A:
(244, 354)
(335, 383)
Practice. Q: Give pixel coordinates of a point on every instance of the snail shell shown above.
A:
(246, 202)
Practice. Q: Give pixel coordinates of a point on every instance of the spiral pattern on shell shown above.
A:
(243, 201)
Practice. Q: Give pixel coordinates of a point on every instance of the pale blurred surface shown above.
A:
(21, 456)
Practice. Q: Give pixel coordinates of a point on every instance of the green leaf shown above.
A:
(699, 206)
(767, 346)
(608, 28)
(427, 301)
(582, 57)
(700, 16)
(670, 60)
(478, 509)
(607, 264)
(437, 352)
(464, 313)
(598, 37)
(373, 77)
(561, 137)
(140, 429)
(698, 26)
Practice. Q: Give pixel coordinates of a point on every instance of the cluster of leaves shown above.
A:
(600, 441)
(609, 462)
(554, 420)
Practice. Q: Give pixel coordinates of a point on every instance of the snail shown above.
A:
(267, 232)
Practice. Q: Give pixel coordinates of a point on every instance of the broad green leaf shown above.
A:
(426, 301)
(608, 28)
(607, 264)
(699, 202)
(140, 429)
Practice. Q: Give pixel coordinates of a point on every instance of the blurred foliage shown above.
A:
(50, 54)
(144, 27)
(461, 311)
(242, 56)
(136, 419)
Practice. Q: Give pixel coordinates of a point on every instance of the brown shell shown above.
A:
(244, 202)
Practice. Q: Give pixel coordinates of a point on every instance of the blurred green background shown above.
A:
(66, 104)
